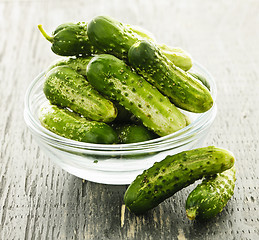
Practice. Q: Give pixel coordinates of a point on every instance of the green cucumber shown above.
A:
(78, 64)
(111, 36)
(172, 174)
(70, 39)
(113, 78)
(65, 87)
(177, 56)
(211, 196)
(70, 125)
(132, 133)
(182, 89)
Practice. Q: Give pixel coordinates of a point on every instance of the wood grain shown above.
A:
(40, 201)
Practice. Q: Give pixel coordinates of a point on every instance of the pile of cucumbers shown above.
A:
(117, 85)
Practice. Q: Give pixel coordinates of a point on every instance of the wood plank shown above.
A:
(38, 200)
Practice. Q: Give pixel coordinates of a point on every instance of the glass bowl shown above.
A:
(116, 164)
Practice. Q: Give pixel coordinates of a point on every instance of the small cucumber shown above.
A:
(70, 125)
(132, 133)
(78, 64)
(172, 174)
(70, 39)
(113, 78)
(182, 89)
(177, 56)
(111, 36)
(65, 87)
(211, 196)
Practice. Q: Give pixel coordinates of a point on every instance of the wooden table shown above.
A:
(40, 201)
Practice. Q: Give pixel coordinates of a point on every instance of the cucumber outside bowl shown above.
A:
(116, 164)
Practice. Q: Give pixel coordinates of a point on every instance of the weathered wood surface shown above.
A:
(40, 201)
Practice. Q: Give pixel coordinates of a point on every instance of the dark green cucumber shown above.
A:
(211, 196)
(70, 39)
(132, 133)
(200, 78)
(70, 125)
(172, 174)
(78, 64)
(111, 36)
(113, 78)
(182, 89)
(65, 87)
(177, 56)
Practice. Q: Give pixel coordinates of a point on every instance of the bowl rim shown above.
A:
(176, 137)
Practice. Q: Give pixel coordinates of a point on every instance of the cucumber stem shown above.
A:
(191, 213)
(49, 38)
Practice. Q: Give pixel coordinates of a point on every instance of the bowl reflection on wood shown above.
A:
(118, 163)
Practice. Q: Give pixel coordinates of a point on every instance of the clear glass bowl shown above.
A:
(118, 163)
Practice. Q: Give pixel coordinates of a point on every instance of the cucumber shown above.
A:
(132, 133)
(65, 87)
(113, 78)
(78, 64)
(70, 39)
(172, 174)
(70, 125)
(211, 196)
(182, 89)
(111, 36)
(177, 56)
